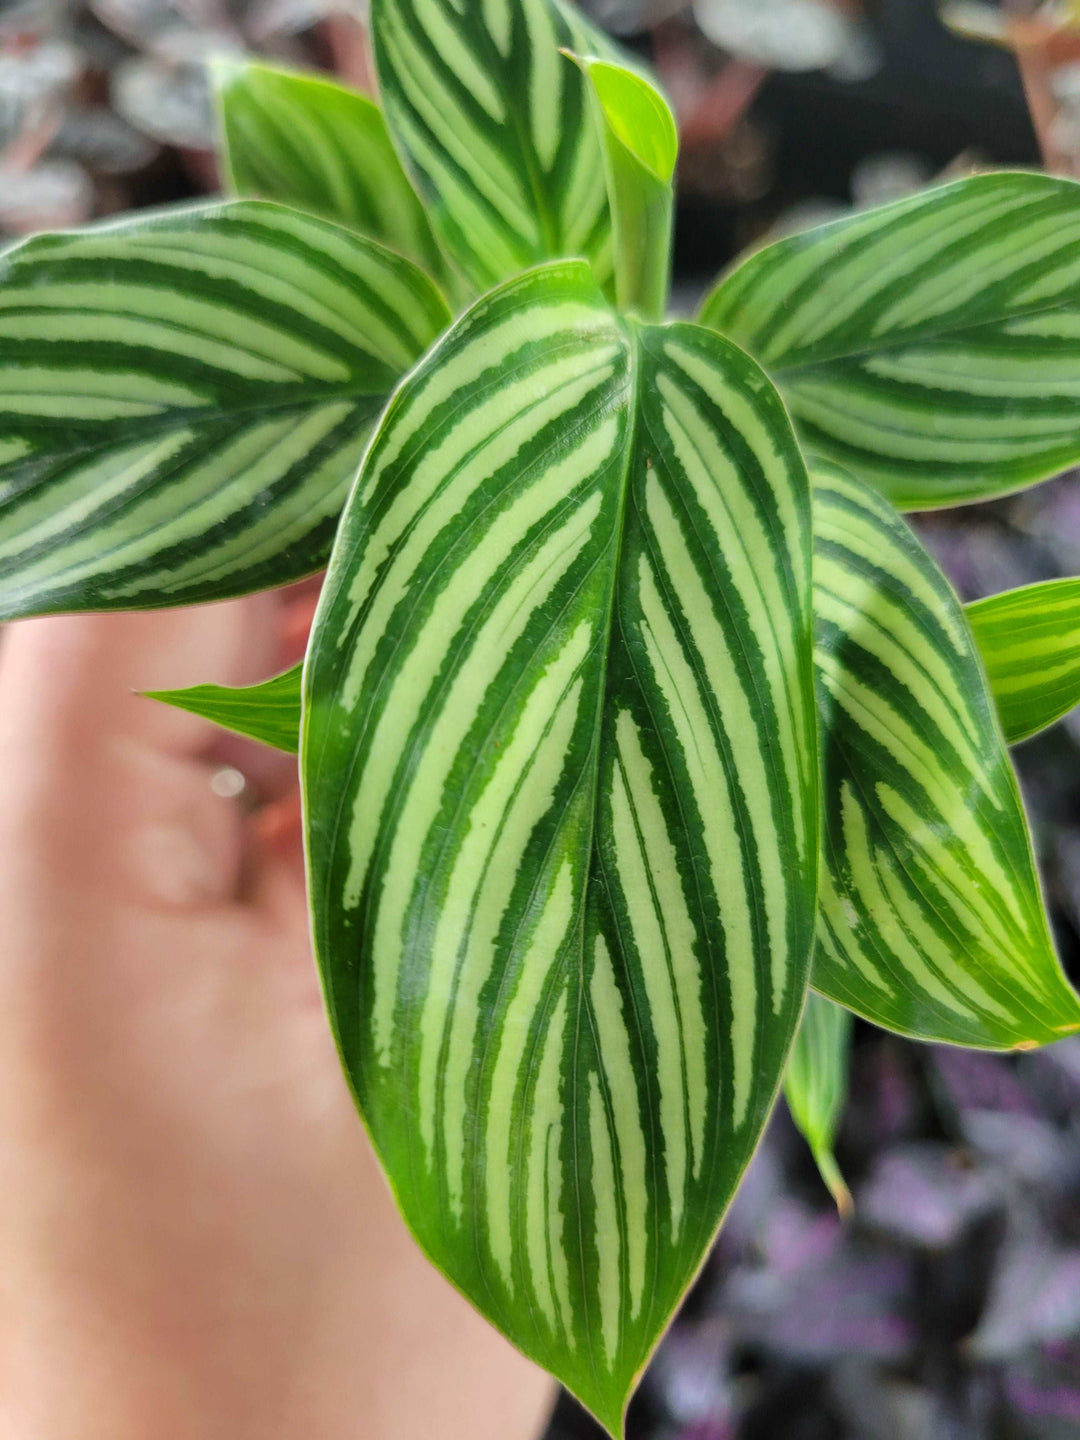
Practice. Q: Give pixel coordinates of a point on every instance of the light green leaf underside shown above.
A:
(559, 775)
(931, 346)
(931, 919)
(184, 400)
(1029, 640)
(305, 141)
(493, 124)
(640, 144)
(268, 712)
(816, 1085)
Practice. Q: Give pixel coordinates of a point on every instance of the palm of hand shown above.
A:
(191, 1223)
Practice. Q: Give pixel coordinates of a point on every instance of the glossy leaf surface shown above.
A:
(559, 776)
(816, 1085)
(932, 346)
(931, 918)
(1029, 640)
(185, 400)
(306, 141)
(268, 712)
(494, 125)
(640, 147)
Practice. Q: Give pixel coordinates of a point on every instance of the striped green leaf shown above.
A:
(932, 346)
(559, 772)
(931, 920)
(494, 126)
(816, 1086)
(268, 712)
(1029, 640)
(184, 400)
(308, 142)
(640, 146)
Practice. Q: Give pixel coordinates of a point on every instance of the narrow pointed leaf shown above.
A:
(1029, 640)
(494, 125)
(932, 346)
(306, 141)
(185, 400)
(816, 1086)
(640, 145)
(268, 712)
(559, 776)
(931, 918)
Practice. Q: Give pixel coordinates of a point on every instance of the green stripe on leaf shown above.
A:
(559, 777)
(932, 346)
(931, 919)
(186, 398)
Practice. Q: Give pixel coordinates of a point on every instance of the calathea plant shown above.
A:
(631, 706)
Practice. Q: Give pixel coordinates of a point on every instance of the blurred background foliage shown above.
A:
(947, 1307)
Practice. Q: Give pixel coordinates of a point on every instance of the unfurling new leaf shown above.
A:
(640, 145)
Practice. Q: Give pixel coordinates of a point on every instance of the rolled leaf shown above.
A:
(559, 775)
(816, 1086)
(268, 712)
(1029, 640)
(185, 400)
(931, 918)
(306, 141)
(494, 126)
(931, 346)
(640, 146)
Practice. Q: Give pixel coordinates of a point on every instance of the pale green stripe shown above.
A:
(683, 947)
(677, 686)
(608, 1236)
(618, 1068)
(544, 1184)
(648, 933)
(737, 719)
(512, 1042)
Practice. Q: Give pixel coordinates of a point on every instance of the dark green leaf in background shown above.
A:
(559, 776)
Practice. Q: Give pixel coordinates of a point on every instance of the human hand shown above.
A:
(194, 1237)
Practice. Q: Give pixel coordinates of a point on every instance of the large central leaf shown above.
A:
(560, 781)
